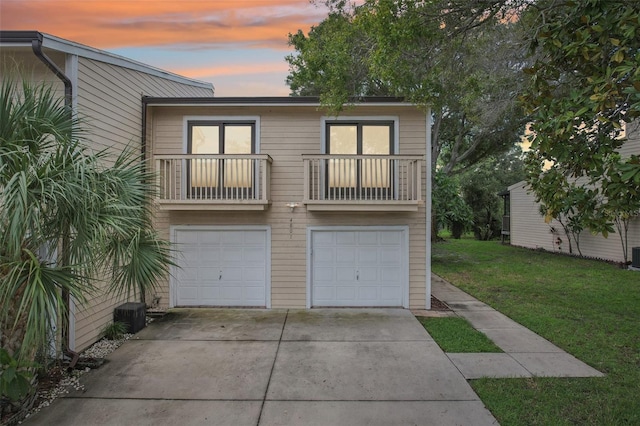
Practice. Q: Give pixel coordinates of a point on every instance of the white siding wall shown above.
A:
(286, 134)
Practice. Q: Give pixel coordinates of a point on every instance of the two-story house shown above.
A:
(272, 203)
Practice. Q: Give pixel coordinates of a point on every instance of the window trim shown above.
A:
(359, 121)
(221, 125)
(221, 118)
(189, 121)
(370, 119)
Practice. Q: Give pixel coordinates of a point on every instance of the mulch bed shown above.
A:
(437, 305)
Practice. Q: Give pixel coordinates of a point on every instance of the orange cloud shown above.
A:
(233, 70)
(126, 23)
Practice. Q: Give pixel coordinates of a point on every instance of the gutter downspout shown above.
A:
(428, 211)
(36, 46)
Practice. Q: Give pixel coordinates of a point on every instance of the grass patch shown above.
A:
(456, 335)
(588, 308)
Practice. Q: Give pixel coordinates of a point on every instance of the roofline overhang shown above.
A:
(270, 101)
(24, 39)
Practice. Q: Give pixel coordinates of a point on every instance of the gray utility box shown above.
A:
(635, 257)
(131, 313)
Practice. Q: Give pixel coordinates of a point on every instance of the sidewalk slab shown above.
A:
(519, 339)
(360, 371)
(489, 319)
(183, 370)
(474, 305)
(494, 365)
(555, 365)
(354, 325)
(376, 413)
(118, 412)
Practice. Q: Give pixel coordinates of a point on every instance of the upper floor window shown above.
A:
(359, 175)
(210, 176)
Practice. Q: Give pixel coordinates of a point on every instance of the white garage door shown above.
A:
(358, 268)
(221, 267)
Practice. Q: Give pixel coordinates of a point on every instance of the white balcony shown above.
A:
(213, 181)
(363, 182)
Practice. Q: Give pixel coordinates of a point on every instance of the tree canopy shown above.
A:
(584, 93)
(461, 59)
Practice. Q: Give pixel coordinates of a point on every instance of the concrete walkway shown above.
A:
(526, 354)
(275, 367)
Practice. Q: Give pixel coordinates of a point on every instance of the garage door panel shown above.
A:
(346, 294)
(324, 255)
(345, 274)
(358, 268)
(391, 274)
(321, 239)
(366, 274)
(368, 293)
(253, 274)
(221, 268)
(391, 239)
(368, 256)
(368, 238)
(205, 274)
(322, 293)
(345, 238)
(257, 238)
(345, 255)
(253, 255)
(323, 274)
(391, 256)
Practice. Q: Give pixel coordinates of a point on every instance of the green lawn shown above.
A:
(590, 309)
(456, 335)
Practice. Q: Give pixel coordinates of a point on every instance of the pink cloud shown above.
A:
(117, 23)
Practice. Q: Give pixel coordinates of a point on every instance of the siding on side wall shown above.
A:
(632, 145)
(286, 134)
(110, 100)
(22, 65)
(528, 228)
(110, 103)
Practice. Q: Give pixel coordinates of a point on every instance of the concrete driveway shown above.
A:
(275, 367)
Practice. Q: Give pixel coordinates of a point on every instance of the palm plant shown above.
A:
(67, 217)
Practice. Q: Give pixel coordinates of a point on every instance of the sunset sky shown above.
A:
(238, 45)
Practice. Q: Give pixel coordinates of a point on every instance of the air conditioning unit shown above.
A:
(635, 257)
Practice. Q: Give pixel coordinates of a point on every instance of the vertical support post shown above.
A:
(428, 210)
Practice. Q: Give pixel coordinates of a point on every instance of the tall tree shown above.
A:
(585, 88)
(460, 58)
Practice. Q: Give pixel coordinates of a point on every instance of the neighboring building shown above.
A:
(528, 228)
(106, 91)
(271, 203)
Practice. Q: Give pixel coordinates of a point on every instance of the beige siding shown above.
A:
(286, 133)
(21, 64)
(632, 145)
(528, 229)
(110, 103)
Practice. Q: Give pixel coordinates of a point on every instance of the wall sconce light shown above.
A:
(292, 206)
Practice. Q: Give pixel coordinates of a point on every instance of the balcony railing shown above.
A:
(363, 182)
(213, 181)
